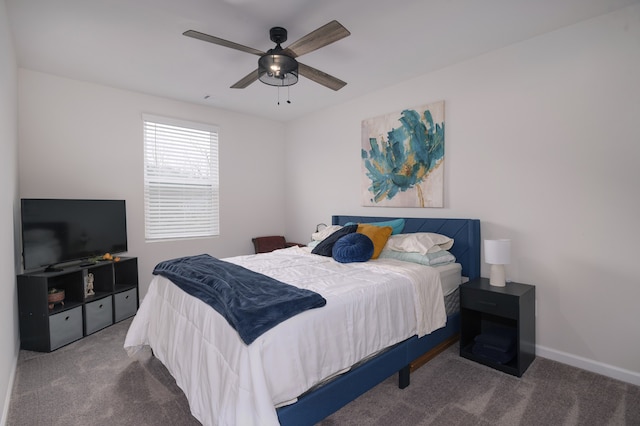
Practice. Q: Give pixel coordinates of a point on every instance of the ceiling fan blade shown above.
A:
(246, 80)
(327, 34)
(222, 42)
(320, 77)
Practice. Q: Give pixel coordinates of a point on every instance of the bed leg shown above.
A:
(404, 377)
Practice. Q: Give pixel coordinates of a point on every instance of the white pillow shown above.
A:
(325, 232)
(442, 257)
(419, 242)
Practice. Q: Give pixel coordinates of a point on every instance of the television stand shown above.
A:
(47, 324)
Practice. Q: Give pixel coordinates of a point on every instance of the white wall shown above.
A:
(542, 144)
(9, 338)
(81, 140)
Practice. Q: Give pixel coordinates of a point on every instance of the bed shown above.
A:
(205, 354)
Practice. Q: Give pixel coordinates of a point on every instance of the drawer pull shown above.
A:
(100, 306)
(67, 318)
(482, 302)
(127, 296)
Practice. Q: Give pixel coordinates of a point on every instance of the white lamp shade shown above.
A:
(497, 252)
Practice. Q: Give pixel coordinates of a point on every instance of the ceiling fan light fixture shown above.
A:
(278, 66)
(276, 69)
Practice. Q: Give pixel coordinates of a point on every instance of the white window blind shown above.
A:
(181, 190)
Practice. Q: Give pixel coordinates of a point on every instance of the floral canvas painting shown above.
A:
(403, 158)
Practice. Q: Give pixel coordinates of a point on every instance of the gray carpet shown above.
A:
(94, 382)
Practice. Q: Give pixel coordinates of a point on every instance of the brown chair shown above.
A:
(271, 243)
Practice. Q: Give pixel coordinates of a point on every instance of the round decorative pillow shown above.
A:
(353, 247)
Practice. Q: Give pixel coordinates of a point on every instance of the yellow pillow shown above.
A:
(378, 234)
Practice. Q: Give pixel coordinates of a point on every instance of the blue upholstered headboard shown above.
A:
(465, 233)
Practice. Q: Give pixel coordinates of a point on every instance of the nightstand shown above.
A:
(508, 310)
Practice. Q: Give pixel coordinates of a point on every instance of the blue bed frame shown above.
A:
(329, 398)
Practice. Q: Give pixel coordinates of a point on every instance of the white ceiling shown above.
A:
(138, 44)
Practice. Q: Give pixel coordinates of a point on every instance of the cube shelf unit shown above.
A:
(45, 329)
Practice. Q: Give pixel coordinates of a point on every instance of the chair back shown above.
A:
(270, 243)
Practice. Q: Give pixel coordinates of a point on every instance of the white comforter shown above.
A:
(370, 306)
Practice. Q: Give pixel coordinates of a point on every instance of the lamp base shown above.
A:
(497, 278)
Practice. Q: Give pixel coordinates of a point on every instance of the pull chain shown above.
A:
(288, 95)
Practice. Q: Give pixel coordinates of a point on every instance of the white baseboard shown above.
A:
(617, 373)
(12, 378)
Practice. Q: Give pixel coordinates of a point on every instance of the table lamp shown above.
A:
(497, 253)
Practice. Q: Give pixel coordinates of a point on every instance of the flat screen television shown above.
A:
(56, 231)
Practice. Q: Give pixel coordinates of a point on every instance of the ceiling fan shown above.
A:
(278, 66)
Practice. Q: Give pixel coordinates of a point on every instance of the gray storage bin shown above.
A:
(98, 314)
(65, 327)
(126, 304)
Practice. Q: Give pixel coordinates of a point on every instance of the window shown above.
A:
(181, 191)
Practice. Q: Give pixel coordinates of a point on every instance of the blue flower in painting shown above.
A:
(406, 158)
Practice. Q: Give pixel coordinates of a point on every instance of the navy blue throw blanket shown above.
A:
(251, 302)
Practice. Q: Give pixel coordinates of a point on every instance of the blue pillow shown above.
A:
(397, 225)
(353, 247)
(326, 245)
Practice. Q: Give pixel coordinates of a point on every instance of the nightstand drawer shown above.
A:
(502, 305)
